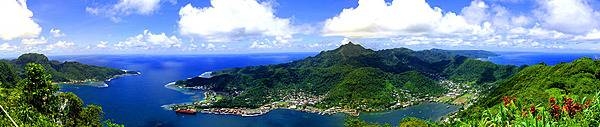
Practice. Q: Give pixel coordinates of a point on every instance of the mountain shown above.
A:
(351, 73)
(60, 71)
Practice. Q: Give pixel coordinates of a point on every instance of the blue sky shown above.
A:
(62, 27)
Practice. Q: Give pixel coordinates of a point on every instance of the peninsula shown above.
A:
(64, 72)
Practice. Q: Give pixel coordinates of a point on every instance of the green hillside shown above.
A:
(566, 94)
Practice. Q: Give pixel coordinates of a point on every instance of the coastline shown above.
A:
(306, 103)
(98, 83)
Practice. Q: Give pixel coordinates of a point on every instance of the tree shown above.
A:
(38, 88)
(91, 116)
(8, 75)
(70, 107)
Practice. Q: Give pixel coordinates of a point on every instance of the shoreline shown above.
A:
(306, 103)
(98, 83)
(248, 112)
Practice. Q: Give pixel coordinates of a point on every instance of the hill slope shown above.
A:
(566, 94)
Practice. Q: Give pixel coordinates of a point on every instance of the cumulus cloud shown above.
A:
(376, 18)
(56, 33)
(568, 16)
(233, 20)
(552, 24)
(17, 20)
(126, 7)
(148, 40)
(260, 45)
(60, 45)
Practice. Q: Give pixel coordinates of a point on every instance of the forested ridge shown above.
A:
(61, 71)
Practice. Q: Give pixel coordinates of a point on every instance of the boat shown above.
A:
(186, 111)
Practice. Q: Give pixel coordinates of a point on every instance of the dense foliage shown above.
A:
(363, 89)
(351, 73)
(479, 71)
(541, 95)
(61, 72)
(35, 101)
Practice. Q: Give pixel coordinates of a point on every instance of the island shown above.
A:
(350, 79)
(68, 72)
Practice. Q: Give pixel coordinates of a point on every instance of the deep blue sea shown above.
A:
(528, 58)
(136, 100)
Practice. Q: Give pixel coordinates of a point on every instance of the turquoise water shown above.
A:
(137, 100)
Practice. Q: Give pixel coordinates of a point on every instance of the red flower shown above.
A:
(533, 110)
(507, 100)
(568, 102)
(552, 100)
(555, 112)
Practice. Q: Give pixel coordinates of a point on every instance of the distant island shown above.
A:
(350, 79)
(63, 72)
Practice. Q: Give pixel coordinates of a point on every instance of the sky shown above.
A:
(72, 27)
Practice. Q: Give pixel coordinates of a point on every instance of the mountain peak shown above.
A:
(351, 49)
(32, 58)
(351, 45)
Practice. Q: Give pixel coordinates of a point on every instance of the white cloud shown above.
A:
(554, 24)
(568, 16)
(346, 41)
(593, 35)
(376, 18)
(476, 13)
(34, 41)
(56, 33)
(521, 20)
(7, 47)
(102, 44)
(232, 20)
(17, 20)
(148, 40)
(126, 7)
(60, 45)
(144, 7)
(260, 45)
